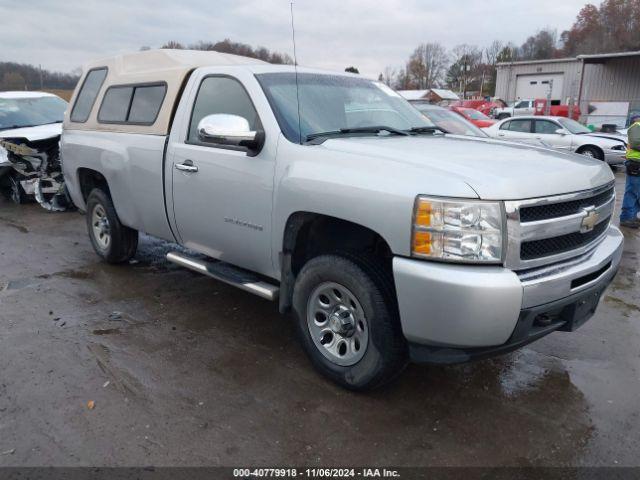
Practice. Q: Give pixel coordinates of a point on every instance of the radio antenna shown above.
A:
(295, 67)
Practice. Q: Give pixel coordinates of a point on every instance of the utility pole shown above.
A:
(547, 109)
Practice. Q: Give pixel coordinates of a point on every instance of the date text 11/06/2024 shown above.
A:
(315, 473)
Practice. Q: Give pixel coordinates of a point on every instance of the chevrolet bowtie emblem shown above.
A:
(589, 220)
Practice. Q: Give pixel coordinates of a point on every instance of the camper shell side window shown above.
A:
(133, 104)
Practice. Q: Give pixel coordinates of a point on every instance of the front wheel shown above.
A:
(14, 191)
(111, 240)
(591, 152)
(347, 320)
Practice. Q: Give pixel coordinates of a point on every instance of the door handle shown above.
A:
(186, 166)
(501, 134)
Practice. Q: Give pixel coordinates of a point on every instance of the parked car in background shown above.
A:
(30, 128)
(483, 106)
(476, 117)
(556, 109)
(561, 134)
(536, 107)
(449, 121)
(330, 194)
(515, 109)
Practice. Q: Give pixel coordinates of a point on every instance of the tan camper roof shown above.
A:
(152, 66)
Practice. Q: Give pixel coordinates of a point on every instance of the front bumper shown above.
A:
(466, 311)
(615, 158)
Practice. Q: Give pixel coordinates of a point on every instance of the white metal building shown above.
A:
(605, 86)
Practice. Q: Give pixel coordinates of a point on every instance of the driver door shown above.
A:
(545, 130)
(222, 202)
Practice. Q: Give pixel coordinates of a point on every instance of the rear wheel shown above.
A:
(111, 240)
(347, 320)
(502, 116)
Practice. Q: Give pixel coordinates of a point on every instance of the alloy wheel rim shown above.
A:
(101, 227)
(337, 324)
(588, 153)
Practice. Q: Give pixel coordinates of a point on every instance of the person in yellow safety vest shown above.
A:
(631, 201)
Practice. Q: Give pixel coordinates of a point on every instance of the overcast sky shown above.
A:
(63, 34)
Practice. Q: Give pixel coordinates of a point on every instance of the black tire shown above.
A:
(14, 191)
(386, 352)
(502, 116)
(123, 240)
(591, 152)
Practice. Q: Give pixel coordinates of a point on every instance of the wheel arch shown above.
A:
(598, 149)
(88, 179)
(309, 234)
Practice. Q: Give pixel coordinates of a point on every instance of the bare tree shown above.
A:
(388, 77)
(540, 46)
(490, 72)
(427, 65)
(173, 45)
(236, 48)
(403, 80)
(466, 68)
(492, 51)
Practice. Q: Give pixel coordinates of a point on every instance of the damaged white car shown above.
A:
(30, 128)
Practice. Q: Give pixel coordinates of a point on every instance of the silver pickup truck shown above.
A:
(387, 239)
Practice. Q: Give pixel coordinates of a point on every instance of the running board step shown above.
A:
(227, 273)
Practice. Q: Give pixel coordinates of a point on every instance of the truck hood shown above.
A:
(495, 169)
(33, 134)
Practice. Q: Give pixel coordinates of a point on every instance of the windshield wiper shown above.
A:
(346, 131)
(427, 130)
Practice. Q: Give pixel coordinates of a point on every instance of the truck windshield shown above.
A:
(334, 103)
(30, 111)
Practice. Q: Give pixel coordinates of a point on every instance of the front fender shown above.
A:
(371, 192)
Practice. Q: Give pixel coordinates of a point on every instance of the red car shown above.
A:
(479, 119)
(483, 106)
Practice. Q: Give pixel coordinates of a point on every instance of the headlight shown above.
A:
(619, 147)
(457, 230)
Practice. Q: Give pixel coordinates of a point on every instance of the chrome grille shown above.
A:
(561, 244)
(546, 230)
(553, 210)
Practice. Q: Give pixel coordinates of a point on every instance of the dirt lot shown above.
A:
(193, 372)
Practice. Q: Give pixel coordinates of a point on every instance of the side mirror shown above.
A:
(561, 131)
(230, 130)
